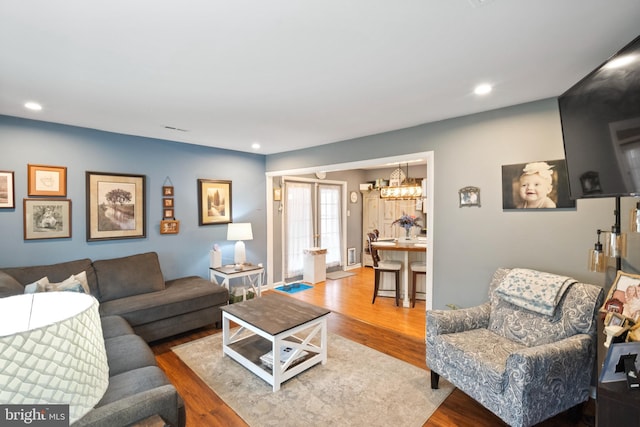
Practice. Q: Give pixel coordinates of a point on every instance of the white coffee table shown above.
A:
(275, 321)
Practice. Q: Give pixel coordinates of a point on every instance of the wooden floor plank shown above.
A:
(396, 331)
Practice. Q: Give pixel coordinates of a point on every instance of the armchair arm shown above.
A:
(556, 371)
(451, 321)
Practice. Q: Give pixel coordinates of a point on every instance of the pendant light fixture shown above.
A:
(406, 188)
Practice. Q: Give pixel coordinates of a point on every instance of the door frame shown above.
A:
(381, 162)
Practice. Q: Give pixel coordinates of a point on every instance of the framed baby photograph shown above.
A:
(624, 296)
(536, 185)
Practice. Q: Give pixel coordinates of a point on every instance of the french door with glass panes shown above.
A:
(312, 218)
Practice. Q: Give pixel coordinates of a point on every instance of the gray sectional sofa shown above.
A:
(137, 306)
(133, 287)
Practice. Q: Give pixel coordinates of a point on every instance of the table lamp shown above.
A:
(52, 351)
(239, 231)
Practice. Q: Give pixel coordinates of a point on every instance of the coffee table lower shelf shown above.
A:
(247, 349)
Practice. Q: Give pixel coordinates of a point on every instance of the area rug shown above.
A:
(358, 386)
(335, 275)
(293, 288)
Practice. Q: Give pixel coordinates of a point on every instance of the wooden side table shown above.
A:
(616, 405)
(250, 274)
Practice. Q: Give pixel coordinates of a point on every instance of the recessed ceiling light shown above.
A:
(255, 146)
(34, 106)
(482, 89)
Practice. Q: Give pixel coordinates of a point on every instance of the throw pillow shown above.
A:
(37, 286)
(82, 278)
(70, 285)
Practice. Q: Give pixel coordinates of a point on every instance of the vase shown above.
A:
(407, 234)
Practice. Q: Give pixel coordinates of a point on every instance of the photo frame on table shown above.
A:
(47, 219)
(7, 190)
(624, 296)
(214, 202)
(469, 196)
(553, 173)
(115, 206)
(613, 366)
(46, 180)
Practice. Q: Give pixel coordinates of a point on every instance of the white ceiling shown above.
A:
(291, 74)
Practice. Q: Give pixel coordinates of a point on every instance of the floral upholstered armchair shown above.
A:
(528, 353)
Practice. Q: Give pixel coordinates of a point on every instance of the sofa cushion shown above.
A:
(132, 382)
(184, 295)
(126, 353)
(9, 286)
(127, 276)
(56, 273)
(114, 326)
(479, 351)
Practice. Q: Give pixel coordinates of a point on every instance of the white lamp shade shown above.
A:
(239, 231)
(52, 351)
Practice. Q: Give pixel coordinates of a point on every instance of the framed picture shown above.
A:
(47, 219)
(469, 196)
(624, 296)
(169, 227)
(7, 190)
(613, 368)
(167, 213)
(46, 180)
(214, 202)
(536, 185)
(115, 206)
(167, 202)
(167, 191)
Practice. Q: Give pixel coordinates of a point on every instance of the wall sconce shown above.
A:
(239, 231)
(597, 258)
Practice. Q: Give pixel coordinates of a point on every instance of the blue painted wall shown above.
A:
(25, 142)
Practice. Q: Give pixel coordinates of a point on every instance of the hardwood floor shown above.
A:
(396, 331)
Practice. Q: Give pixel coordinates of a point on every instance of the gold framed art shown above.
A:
(46, 180)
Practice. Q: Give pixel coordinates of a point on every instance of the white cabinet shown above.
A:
(379, 214)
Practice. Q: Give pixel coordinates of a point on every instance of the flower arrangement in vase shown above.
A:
(407, 222)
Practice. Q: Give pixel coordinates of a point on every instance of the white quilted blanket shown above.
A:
(534, 290)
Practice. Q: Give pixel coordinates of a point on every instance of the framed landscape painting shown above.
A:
(47, 219)
(7, 190)
(214, 201)
(115, 206)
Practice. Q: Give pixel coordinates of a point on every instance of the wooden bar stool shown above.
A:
(417, 267)
(383, 266)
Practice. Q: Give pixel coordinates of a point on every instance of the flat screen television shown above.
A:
(600, 118)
